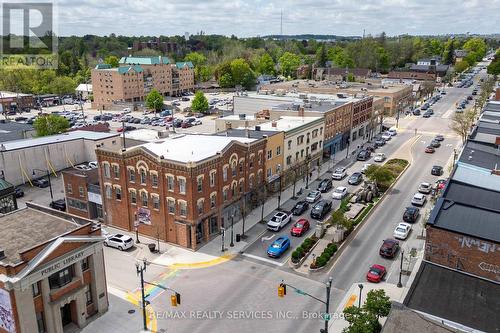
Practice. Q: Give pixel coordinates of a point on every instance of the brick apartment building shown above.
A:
(82, 193)
(156, 44)
(136, 77)
(182, 189)
(52, 276)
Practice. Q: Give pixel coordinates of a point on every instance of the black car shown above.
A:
(389, 248)
(437, 170)
(431, 111)
(470, 98)
(59, 204)
(40, 182)
(439, 137)
(300, 207)
(320, 209)
(435, 144)
(130, 128)
(379, 142)
(411, 214)
(426, 115)
(19, 192)
(363, 155)
(425, 106)
(371, 148)
(325, 185)
(355, 178)
(416, 112)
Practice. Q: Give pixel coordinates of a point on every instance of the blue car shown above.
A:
(278, 247)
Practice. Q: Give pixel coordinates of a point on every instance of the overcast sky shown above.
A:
(262, 17)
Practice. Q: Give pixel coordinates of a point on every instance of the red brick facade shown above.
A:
(362, 111)
(153, 185)
(462, 252)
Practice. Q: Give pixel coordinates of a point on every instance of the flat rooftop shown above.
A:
(325, 85)
(287, 123)
(28, 227)
(481, 155)
(249, 133)
(191, 147)
(46, 140)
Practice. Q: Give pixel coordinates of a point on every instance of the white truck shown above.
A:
(279, 220)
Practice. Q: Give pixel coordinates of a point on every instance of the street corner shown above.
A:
(191, 260)
(203, 264)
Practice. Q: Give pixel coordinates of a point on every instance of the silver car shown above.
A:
(418, 199)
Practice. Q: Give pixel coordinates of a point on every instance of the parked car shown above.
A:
(379, 157)
(389, 248)
(365, 167)
(402, 231)
(83, 167)
(418, 199)
(279, 220)
(437, 170)
(40, 182)
(93, 164)
(339, 173)
(119, 241)
(425, 188)
(416, 112)
(59, 204)
(430, 149)
(440, 184)
(386, 136)
(379, 142)
(325, 185)
(411, 214)
(19, 193)
(278, 247)
(356, 178)
(339, 193)
(186, 124)
(376, 273)
(300, 207)
(313, 196)
(426, 115)
(439, 137)
(435, 144)
(392, 131)
(363, 155)
(320, 209)
(300, 227)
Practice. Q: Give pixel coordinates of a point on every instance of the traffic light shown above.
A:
(282, 290)
(175, 299)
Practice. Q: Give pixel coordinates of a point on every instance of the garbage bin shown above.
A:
(238, 238)
(152, 247)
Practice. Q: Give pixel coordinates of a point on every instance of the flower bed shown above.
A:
(303, 249)
(325, 257)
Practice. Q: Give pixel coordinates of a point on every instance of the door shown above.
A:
(66, 314)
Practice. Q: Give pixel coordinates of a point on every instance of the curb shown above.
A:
(297, 265)
(351, 236)
(203, 264)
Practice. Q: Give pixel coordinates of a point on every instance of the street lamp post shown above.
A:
(360, 286)
(50, 183)
(279, 193)
(400, 284)
(232, 230)
(222, 233)
(308, 157)
(140, 271)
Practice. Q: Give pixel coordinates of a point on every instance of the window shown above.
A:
(233, 169)
(289, 144)
(241, 186)
(133, 197)
(35, 288)
(144, 199)
(278, 151)
(224, 194)
(278, 168)
(88, 294)
(199, 206)
(156, 202)
(143, 176)
(154, 180)
(199, 184)
(224, 173)
(69, 189)
(107, 172)
(241, 166)
(183, 208)
(85, 264)
(289, 160)
(170, 183)
(269, 154)
(213, 200)
(118, 193)
(212, 178)
(77, 204)
(260, 158)
(233, 190)
(269, 172)
(250, 181)
(131, 175)
(171, 206)
(40, 322)
(116, 171)
(182, 185)
(61, 278)
(108, 191)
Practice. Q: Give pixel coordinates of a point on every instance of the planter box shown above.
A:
(301, 261)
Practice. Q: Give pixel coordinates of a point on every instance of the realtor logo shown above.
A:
(28, 36)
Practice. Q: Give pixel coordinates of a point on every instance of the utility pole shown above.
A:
(140, 271)
(400, 284)
(281, 24)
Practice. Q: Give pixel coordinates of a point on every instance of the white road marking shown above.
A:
(264, 259)
(263, 239)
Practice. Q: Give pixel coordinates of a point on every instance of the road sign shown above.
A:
(326, 316)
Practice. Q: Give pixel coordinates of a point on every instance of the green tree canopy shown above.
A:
(241, 73)
(461, 66)
(379, 174)
(289, 62)
(199, 103)
(196, 58)
(112, 60)
(477, 47)
(321, 56)
(365, 319)
(154, 100)
(50, 124)
(494, 66)
(62, 85)
(266, 64)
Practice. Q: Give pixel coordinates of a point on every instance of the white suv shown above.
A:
(119, 241)
(339, 173)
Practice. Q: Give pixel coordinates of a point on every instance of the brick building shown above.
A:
(82, 193)
(156, 44)
(182, 189)
(51, 272)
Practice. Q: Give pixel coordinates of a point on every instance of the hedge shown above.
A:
(303, 248)
(325, 256)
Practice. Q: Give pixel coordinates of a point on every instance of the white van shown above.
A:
(392, 131)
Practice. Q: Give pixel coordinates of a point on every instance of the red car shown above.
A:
(120, 129)
(376, 273)
(429, 149)
(300, 227)
(186, 124)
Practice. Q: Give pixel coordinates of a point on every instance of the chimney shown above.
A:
(2, 254)
(301, 111)
(228, 125)
(257, 128)
(274, 124)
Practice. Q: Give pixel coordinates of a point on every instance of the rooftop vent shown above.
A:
(2, 254)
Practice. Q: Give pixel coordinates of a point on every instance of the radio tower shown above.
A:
(281, 24)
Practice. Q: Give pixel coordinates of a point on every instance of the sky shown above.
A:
(262, 17)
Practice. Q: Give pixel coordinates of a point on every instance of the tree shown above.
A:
(377, 303)
(241, 73)
(200, 103)
(321, 56)
(196, 58)
(289, 63)
(461, 66)
(461, 123)
(50, 124)
(366, 318)
(112, 60)
(494, 66)
(154, 100)
(477, 47)
(379, 174)
(62, 85)
(266, 64)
